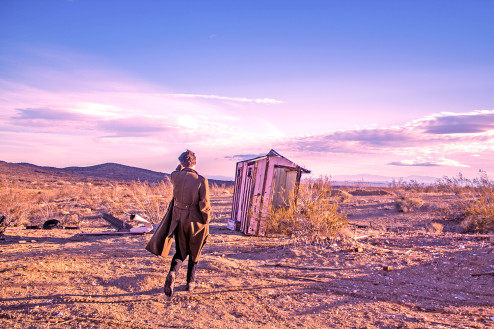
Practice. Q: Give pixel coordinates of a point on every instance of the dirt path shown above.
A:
(56, 280)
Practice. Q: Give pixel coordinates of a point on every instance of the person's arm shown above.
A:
(177, 170)
(204, 203)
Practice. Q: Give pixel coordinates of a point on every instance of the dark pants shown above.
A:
(177, 261)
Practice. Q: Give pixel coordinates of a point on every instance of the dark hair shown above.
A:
(187, 159)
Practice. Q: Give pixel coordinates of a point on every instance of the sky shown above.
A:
(385, 87)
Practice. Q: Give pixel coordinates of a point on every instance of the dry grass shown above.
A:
(220, 190)
(475, 201)
(473, 206)
(32, 203)
(312, 216)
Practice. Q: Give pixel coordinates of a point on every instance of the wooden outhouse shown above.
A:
(260, 183)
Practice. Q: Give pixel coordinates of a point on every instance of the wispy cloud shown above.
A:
(418, 163)
(477, 126)
(419, 143)
(46, 114)
(242, 157)
(234, 99)
(459, 123)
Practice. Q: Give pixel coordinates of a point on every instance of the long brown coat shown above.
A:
(188, 216)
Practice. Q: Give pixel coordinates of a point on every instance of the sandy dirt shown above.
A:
(58, 279)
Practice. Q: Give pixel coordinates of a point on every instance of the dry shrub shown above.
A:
(16, 203)
(218, 190)
(342, 195)
(434, 227)
(412, 185)
(407, 204)
(311, 216)
(475, 201)
(151, 201)
(33, 202)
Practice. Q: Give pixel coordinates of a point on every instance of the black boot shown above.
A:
(191, 276)
(172, 275)
(170, 280)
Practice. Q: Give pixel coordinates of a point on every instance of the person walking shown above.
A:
(187, 219)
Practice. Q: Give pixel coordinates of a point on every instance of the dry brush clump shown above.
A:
(16, 202)
(474, 205)
(407, 204)
(341, 195)
(311, 215)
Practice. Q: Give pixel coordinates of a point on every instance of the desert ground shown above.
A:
(389, 269)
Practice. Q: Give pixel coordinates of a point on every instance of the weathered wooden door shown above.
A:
(246, 195)
(237, 192)
(285, 180)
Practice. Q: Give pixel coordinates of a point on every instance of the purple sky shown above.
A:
(392, 88)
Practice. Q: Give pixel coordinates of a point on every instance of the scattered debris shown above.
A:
(146, 225)
(459, 297)
(116, 223)
(311, 268)
(51, 224)
(480, 274)
(361, 237)
(123, 228)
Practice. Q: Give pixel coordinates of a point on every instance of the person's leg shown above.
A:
(191, 275)
(175, 265)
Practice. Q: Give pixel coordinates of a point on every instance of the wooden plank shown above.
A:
(116, 223)
(110, 233)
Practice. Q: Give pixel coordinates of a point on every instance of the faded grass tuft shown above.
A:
(407, 204)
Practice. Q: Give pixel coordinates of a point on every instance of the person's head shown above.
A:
(187, 159)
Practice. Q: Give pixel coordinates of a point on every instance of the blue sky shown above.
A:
(393, 88)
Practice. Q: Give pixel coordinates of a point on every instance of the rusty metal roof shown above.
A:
(273, 153)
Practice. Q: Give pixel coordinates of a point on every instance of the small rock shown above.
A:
(461, 247)
(387, 268)
(22, 241)
(459, 297)
(33, 241)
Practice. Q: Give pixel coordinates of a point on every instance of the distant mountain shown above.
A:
(110, 171)
(115, 171)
